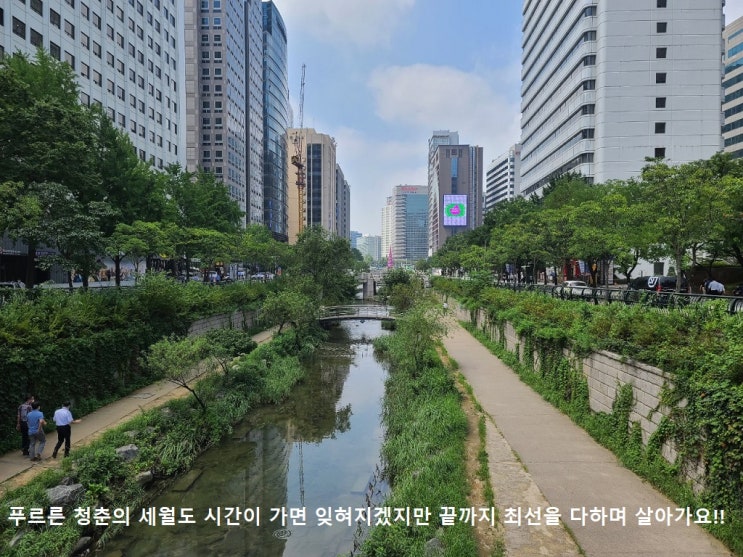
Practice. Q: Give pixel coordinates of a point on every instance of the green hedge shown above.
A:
(169, 440)
(700, 345)
(85, 346)
(423, 451)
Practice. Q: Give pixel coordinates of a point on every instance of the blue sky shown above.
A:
(383, 74)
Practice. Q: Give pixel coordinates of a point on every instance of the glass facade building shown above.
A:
(732, 129)
(254, 82)
(275, 122)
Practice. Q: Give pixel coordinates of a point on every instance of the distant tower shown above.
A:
(408, 234)
(502, 177)
(320, 194)
(455, 181)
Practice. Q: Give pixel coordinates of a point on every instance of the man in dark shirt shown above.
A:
(22, 423)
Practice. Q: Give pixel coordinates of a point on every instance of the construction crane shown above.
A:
(298, 156)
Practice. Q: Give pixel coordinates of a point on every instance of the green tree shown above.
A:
(394, 277)
(199, 200)
(419, 329)
(129, 185)
(177, 361)
(688, 202)
(260, 251)
(326, 260)
(289, 307)
(43, 128)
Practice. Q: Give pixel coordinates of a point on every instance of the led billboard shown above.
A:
(455, 210)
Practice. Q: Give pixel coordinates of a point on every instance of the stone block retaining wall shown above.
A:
(605, 372)
(237, 320)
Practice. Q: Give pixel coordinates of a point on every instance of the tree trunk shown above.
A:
(117, 270)
(31, 265)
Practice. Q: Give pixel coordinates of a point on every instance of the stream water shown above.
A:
(318, 451)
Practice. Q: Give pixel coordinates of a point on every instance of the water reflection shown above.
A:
(318, 451)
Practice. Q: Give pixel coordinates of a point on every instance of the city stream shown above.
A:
(294, 479)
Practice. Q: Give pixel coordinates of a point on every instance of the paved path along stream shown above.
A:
(539, 458)
(15, 469)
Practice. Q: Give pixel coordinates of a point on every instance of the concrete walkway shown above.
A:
(16, 469)
(539, 458)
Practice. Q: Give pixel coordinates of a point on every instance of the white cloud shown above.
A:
(372, 167)
(427, 98)
(344, 22)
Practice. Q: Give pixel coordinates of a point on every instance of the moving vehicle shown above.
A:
(656, 283)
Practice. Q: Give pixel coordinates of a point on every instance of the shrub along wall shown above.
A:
(699, 351)
(168, 439)
(85, 346)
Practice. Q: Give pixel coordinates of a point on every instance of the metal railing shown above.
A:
(354, 312)
(603, 295)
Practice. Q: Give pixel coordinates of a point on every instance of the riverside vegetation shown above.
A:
(169, 438)
(700, 346)
(86, 346)
(423, 451)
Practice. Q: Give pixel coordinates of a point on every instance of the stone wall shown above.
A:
(605, 373)
(237, 320)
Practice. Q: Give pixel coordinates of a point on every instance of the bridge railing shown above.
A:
(349, 312)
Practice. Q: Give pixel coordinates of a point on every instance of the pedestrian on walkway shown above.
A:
(63, 418)
(36, 423)
(22, 424)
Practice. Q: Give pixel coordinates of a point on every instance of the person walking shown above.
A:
(36, 423)
(22, 423)
(63, 418)
(715, 288)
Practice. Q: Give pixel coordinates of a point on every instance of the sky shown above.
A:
(382, 75)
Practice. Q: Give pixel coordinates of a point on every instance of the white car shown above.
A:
(574, 288)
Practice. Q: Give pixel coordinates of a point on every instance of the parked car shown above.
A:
(262, 276)
(574, 283)
(656, 283)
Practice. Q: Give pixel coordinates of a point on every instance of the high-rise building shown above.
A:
(126, 59)
(342, 204)
(732, 129)
(216, 93)
(408, 216)
(275, 121)
(455, 180)
(388, 214)
(370, 246)
(319, 202)
(354, 237)
(502, 177)
(254, 81)
(606, 84)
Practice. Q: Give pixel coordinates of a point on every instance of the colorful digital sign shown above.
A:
(455, 210)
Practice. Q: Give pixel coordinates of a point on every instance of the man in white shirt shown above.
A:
(63, 419)
(715, 287)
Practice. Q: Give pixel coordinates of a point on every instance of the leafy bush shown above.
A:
(86, 346)
(700, 345)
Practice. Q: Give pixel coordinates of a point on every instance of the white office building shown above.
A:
(607, 83)
(502, 177)
(125, 55)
